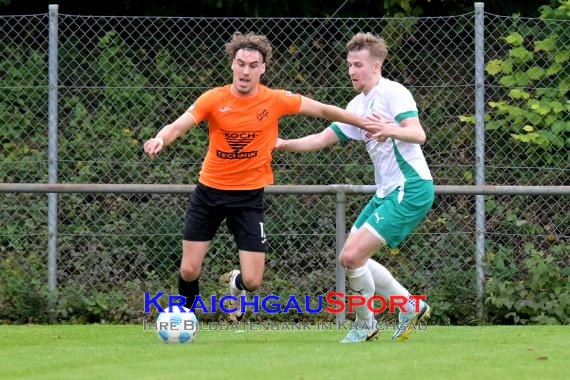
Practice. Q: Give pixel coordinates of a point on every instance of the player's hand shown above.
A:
(153, 146)
(280, 144)
(380, 129)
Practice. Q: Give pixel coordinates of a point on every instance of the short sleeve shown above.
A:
(346, 132)
(202, 106)
(288, 102)
(402, 103)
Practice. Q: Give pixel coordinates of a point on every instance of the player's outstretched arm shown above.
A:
(314, 108)
(169, 133)
(310, 143)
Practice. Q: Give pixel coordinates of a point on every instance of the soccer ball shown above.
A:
(177, 327)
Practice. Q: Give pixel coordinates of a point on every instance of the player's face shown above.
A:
(364, 71)
(247, 67)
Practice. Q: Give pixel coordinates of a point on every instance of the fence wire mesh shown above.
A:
(121, 78)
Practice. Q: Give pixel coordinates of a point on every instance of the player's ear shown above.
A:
(377, 65)
(263, 68)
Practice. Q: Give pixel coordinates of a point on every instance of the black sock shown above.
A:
(239, 283)
(189, 290)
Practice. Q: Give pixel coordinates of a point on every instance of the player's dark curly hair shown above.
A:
(375, 45)
(249, 41)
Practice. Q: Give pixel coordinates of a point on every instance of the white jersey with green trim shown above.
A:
(395, 162)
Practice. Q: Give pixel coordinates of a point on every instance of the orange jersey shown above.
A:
(243, 132)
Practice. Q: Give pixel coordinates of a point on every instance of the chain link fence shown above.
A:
(119, 79)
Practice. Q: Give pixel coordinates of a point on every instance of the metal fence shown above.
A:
(80, 94)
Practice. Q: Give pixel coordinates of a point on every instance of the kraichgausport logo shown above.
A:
(237, 141)
(275, 304)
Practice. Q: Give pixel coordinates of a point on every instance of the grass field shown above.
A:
(128, 352)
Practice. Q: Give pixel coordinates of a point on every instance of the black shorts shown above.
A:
(242, 210)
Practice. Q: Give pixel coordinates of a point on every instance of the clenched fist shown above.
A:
(153, 146)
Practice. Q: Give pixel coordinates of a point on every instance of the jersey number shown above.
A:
(263, 237)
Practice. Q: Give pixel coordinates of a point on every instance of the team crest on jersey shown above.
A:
(237, 142)
(262, 114)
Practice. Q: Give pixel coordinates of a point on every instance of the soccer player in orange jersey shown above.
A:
(243, 128)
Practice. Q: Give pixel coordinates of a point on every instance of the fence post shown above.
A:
(480, 154)
(340, 238)
(52, 159)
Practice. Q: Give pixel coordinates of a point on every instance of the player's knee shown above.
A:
(350, 259)
(189, 273)
(252, 283)
(346, 261)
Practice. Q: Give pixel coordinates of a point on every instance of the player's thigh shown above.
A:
(351, 236)
(203, 216)
(360, 247)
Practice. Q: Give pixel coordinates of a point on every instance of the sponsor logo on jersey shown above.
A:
(238, 141)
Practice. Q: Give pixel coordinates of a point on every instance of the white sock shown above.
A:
(361, 284)
(384, 283)
(410, 306)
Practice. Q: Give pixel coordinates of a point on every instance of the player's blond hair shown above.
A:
(375, 45)
(249, 41)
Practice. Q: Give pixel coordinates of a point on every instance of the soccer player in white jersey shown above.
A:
(405, 189)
